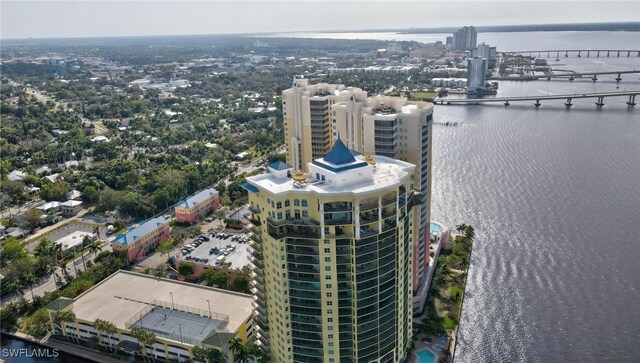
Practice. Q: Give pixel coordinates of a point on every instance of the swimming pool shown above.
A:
(435, 227)
(426, 356)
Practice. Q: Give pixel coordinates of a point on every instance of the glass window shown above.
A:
(327, 250)
(327, 268)
(279, 215)
(286, 203)
(296, 203)
(304, 202)
(327, 259)
(330, 336)
(279, 205)
(305, 214)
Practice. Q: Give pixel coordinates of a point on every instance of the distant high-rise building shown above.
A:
(389, 126)
(465, 38)
(487, 52)
(331, 256)
(394, 48)
(476, 75)
(449, 40)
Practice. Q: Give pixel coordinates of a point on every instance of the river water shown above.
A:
(554, 196)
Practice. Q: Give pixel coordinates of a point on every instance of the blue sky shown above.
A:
(38, 19)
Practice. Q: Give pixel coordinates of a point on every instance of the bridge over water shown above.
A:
(579, 52)
(600, 96)
(568, 74)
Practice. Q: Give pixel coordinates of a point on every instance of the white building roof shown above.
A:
(340, 172)
(72, 240)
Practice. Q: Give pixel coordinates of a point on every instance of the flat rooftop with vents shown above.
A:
(161, 305)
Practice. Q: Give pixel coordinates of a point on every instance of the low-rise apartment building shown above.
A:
(138, 241)
(197, 205)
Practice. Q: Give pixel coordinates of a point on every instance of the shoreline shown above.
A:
(446, 298)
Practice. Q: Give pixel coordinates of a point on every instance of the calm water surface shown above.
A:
(554, 195)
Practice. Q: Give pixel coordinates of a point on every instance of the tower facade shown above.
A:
(393, 127)
(476, 76)
(331, 254)
(307, 121)
(380, 125)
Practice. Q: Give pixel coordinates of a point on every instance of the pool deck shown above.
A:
(435, 339)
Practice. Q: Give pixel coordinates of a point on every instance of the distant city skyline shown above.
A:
(51, 19)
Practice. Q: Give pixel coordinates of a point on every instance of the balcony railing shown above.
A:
(293, 222)
(341, 207)
(254, 209)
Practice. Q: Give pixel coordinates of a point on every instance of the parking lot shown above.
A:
(230, 245)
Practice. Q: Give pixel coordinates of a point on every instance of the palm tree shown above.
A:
(199, 353)
(110, 329)
(96, 231)
(94, 247)
(63, 266)
(30, 280)
(461, 227)
(16, 287)
(64, 317)
(240, 354)
(86, 240)
(98, 325)
(216, 356)
(144, 338)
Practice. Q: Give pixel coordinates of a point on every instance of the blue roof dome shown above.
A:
(279, 165)
(339, 154)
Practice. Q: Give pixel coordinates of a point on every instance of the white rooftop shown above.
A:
(339, 173)
(72, 240)
(124, 294)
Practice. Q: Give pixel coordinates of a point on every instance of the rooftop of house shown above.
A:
(143, 229)
(192, 200)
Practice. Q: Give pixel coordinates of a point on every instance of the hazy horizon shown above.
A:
(63, 19)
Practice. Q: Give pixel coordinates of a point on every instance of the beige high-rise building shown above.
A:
(307, 119)
(394, 127)
(331, 257)
(380, 125)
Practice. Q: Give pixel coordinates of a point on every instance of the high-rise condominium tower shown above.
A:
(307, 119)
(331, 256)
(465, 38)
(380, 125)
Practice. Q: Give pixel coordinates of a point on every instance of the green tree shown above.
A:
(240, 283)
(216, 356)
(165, 247)
(99, 325)
(94, 247)
(30, 279)
(110, 328)
(105, 151)
(185, 269)
(240, 353)
(63, 317)
(144, 338)
(199, 353)
(32, 218)
(44, 248)
(37, 323)
(215, 278)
